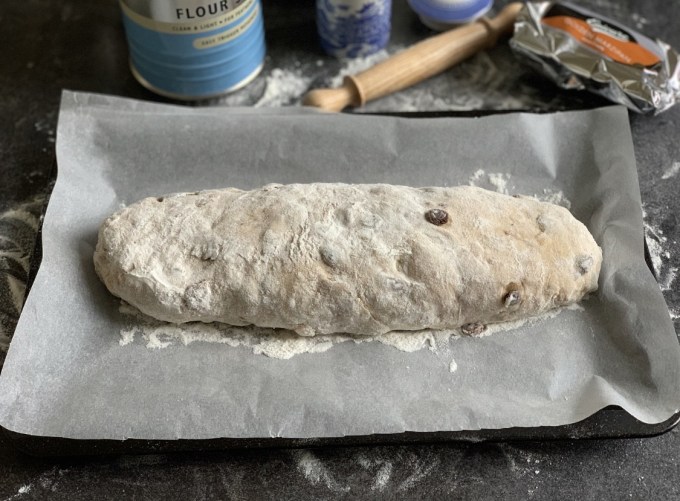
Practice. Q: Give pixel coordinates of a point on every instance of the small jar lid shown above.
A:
(450, 11)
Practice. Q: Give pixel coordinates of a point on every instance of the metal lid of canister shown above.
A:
(445, 14)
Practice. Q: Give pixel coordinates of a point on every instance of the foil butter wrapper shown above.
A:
(581, 50)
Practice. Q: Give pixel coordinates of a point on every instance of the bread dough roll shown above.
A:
(359, 259)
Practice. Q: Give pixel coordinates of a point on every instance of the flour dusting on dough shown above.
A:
(322, 259)
(284, 344)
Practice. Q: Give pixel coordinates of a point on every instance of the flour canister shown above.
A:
(194, 49)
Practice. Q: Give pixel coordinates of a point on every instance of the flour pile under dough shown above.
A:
(282, 344)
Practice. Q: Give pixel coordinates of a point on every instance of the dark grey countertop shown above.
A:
(80, 45)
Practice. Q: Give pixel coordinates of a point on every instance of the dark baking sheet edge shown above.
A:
(610, 422)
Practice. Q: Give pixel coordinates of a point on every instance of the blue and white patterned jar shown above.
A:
(353, 28)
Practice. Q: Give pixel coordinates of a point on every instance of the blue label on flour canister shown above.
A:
(191, 49)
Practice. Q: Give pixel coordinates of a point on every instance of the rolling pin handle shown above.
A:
(357, 92)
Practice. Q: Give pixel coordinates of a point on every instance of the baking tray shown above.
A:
(610, 422)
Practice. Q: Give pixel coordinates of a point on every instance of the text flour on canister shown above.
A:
(194, 49)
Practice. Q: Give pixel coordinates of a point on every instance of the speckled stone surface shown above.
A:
(80, 45)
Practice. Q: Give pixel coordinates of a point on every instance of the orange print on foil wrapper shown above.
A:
(604, 39)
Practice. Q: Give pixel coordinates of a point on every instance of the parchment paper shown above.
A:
(67, 376)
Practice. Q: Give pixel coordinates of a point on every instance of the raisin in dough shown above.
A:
(360, 259)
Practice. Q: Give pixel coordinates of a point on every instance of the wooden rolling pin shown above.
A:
(417, 63)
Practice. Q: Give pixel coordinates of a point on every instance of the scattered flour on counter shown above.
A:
(47, 126)
(401, 465)
(382, 478)
(280, 87)
(421, 468)
(640, 22)
(357, 65)
(24, 489)
(49, 481)
(668, 279)
(672, 171)
(401, 468)
(477, 83)
(383, 471)
(316, 472)
(487, 80)
(655, 249)
(619, 11)
(613, 6)
(659, 254)
(283, 87)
